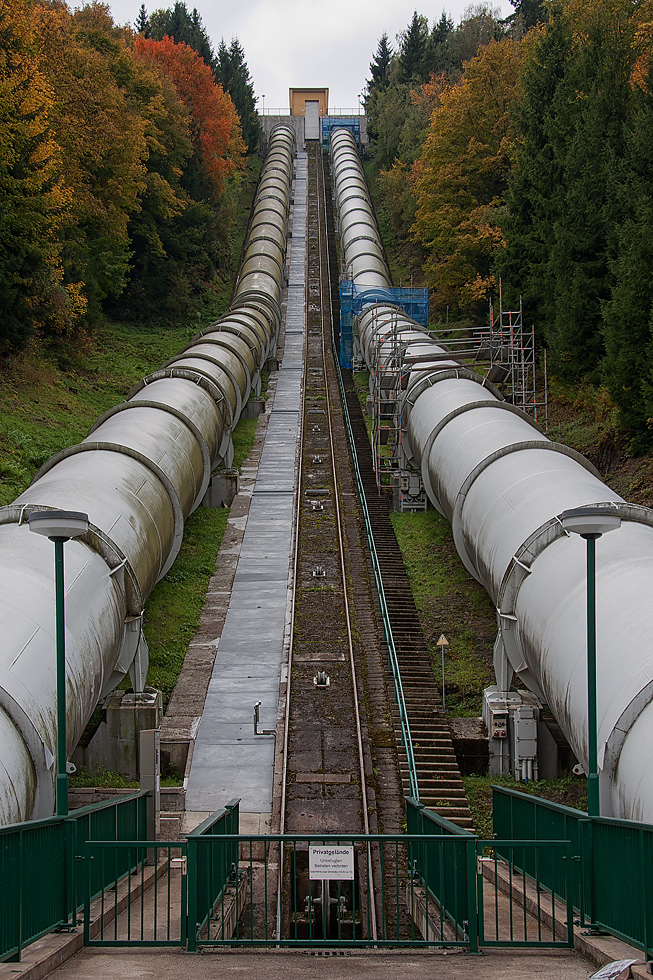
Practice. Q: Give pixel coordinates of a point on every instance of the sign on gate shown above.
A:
(330, 863)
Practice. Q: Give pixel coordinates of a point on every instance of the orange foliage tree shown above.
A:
(398, 183)
(216, 127)
(461, 176)
(102, 137)
(34, 198)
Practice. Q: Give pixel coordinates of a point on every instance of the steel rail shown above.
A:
(393, 660)
(385, 616)
(327, 313)
(291, 636)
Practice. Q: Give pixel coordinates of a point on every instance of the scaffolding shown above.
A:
(386, 400)
(505, 350)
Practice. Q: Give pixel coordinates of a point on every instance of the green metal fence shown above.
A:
(621, 895)
(444, 856)
(44, 883)
(610, 862)
(132, 909)
(213, 877)
(393, 660)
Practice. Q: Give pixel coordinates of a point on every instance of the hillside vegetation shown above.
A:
(522, 150)
(122, 153)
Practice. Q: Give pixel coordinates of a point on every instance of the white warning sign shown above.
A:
(330, 863)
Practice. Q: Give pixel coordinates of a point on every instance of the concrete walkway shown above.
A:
(228, 759)
(435, 965)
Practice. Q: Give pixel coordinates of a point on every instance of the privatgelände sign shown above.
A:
(330, 863)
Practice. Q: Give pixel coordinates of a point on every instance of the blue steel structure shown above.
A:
(351, 123)
(353, 300)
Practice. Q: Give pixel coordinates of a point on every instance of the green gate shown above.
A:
(515, 908)
(146, 900)
(340, 890)
(221, 888)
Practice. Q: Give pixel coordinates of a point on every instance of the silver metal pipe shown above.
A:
(502, 484)
(144, 467)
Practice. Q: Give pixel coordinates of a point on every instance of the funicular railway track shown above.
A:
(342, 772)
(438, 775)
(344, 768)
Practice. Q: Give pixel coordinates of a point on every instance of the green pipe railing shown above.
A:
(45, 884)
(378, 581)
(610, 862)
(393, 660)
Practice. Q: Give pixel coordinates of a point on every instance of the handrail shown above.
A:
(284, 111)
(406, 737)
(385, 616)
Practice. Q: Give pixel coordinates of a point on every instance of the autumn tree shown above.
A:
(34, 197)
(216, 130)
(398, 117)
(461, 177)
(86, 60)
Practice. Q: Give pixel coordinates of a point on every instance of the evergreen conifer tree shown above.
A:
(535, 192)
(232, 72)
(412, 54)
(183, 27)
(380, 64)
(141, 25)
(584, 233)
(529, 12)
(436, 56)
(628, 316)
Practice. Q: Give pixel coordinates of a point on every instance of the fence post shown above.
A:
(415, 826)
(587, 872)
(21, 897)
(86, 866)
(646, 896)
(570, 903)
(233, 827)
(472, 905)
(69, 877)
(191, 930)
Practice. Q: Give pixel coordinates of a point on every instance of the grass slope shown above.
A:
(49, 399)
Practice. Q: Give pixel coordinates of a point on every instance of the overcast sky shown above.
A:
(306, 42)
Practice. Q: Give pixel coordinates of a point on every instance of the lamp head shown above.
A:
(591, 521)
(58, 525)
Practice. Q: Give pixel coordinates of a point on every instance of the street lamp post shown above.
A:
(60, 526)
(591, 523)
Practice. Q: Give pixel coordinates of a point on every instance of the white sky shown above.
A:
(306, 42)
